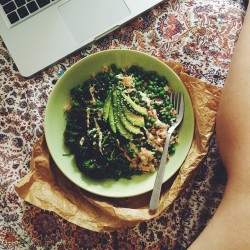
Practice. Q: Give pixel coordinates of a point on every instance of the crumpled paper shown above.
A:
(46, 187)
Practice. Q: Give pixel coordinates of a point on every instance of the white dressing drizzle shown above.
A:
(87, 116)
(99, 113)
(91, 91)
(82, 141)
(99, 132)
(146, 99)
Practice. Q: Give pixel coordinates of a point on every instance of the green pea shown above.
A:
(163, 92)
(164, 117)
(173, 149)
(156, 89)
(158, 156)
(150, 87)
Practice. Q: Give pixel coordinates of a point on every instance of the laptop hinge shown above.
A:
(107, 32)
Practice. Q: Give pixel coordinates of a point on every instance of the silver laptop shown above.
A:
(38, 33)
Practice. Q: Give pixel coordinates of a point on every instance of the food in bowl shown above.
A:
(117, 122)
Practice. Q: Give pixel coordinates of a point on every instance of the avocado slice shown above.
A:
(128, 126)
(134, 106)
(133, 118)
(106, 107)
(111, 117)
(123, 131)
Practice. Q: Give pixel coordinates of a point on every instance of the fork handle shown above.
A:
(154, 200)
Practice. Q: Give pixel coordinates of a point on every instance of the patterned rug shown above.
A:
(199, 34)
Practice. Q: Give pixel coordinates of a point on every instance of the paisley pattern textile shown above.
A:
(201, 34)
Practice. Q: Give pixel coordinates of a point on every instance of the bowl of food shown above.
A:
(106, 121)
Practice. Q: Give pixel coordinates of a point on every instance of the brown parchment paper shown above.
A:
(46, 187)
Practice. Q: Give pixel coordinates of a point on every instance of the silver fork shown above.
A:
(177, 101)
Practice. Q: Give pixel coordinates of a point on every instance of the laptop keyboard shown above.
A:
(18, 10)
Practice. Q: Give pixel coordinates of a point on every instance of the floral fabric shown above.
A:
(199, 34)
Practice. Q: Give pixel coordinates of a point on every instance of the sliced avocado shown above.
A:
(123, 131)
(106, 107)
(129, 126)
(133, 118)
(133, 105)
(111, 117)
